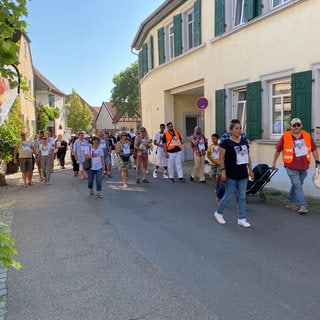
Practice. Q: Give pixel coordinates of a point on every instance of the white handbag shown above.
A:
(316, 178)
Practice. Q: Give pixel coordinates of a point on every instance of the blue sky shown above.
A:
(81, 45)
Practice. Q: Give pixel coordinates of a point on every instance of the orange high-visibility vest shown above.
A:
(287, 152)
(170, 142)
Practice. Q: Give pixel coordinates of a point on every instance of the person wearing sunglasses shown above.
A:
(296, 146)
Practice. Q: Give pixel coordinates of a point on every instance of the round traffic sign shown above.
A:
(202, 103)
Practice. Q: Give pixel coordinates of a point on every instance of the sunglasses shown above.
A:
(123, 135)
(296, 125)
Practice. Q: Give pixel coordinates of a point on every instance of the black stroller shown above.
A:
(262, 175)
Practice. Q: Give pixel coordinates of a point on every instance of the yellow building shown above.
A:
(25, 68)
(255, 60)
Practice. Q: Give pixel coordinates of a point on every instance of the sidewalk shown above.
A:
(75, 265)
(7, 200)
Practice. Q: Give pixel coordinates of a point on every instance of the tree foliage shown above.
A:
(10, 131)
(125, 93)
(11, 21)
(45, 114)
(7, 250)
(79, 114)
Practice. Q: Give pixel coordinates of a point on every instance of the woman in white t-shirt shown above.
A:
(46, 158)
(95, 153)
(123, 151)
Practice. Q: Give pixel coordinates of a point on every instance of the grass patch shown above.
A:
(282, 197)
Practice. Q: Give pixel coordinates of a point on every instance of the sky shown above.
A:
(81, 45)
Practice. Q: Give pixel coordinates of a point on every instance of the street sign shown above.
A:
(202, 103)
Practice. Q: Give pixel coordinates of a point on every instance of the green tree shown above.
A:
(45, 114)
(125, 93)
(79, 114)
(11, 14)
(7, 250)
(10, 132)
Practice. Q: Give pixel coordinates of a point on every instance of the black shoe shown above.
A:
(182, 180)
(138, 181)
(171, 179)
(145, 181)
(191, 179)
(203, 181)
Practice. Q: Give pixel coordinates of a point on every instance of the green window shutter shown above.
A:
(151, 54)
(219, 18)
(161, 51)
(249, 9)
(220, 112)
(258, 8)
(252, 9)
(144, 59)
(197, 23)
(140, 65)
(254, 110)
(301, 93)
(177, 31)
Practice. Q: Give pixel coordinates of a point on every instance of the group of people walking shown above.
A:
(40, 151)
(228, 157)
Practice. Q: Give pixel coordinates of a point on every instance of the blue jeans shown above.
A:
(231, 186)
(220, 190)
(98, 175)
(296, 192)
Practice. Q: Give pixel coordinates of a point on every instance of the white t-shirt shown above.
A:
(158, 137)
(96, 162)
(45, 150)
(51, 142)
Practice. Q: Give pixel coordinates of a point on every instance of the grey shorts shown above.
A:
(26, 164)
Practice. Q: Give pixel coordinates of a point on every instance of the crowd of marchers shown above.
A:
(225, 161)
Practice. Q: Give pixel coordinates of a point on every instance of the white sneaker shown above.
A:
(155, 174)
(165, 176)
(244, 223)
(219, 218)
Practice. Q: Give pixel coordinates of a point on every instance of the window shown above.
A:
(30, 89)
(171, 42)
(276, 3)
(280, 97)
(26, 93)
(240, 107)
(238, 12)
(150, 64)
(181, 34)
(190, 30)
(51, 100)
(191, 121)
(25, 45)
(230, 14)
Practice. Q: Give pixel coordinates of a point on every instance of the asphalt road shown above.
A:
(270, 271)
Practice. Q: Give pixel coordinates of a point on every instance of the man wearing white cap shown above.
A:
(296, 146)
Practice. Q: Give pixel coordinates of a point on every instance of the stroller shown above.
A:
(262, 175)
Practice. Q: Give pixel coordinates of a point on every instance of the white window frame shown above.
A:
(235, 107)
(169, 42)
(188, 24)
(238, 11)
(316, 100)
(280, 3)
(149, 54)
(283, 97)
(232, 90)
